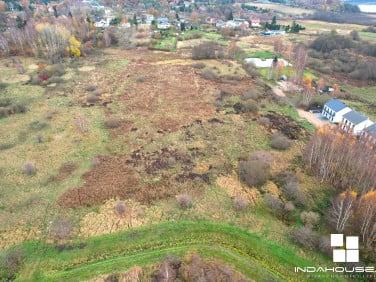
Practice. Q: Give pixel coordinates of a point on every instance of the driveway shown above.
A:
(310, 117)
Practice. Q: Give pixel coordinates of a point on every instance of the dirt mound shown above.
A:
(286, 125)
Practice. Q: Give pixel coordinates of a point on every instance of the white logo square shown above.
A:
(352, 255)
(336, 240)
(352, 242)
(339, 255)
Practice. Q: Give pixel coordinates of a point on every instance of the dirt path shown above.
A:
(314, 120)
(310, 117)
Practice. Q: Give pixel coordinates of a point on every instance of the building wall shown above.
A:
(332, 116)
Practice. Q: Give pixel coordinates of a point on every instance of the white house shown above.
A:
(334, 110)
(102, 23)
(369, 135)
(255, 22)
(163, 23)
(355, 122)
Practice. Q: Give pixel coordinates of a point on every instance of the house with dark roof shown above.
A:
(355, 122)
(334, 110)
(368, 135)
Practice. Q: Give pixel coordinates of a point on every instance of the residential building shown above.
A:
(369, 135)
(334, 110)
(355, 122)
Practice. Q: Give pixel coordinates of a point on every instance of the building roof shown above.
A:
(371, 129)
(336, 105)
(354, 117)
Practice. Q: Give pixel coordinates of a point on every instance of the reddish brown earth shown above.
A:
(169, 97)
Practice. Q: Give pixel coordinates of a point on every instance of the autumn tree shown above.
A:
(3, 6)
(4, 46)
(195, 18)
(320, 84)
(300, 57)
(308, 91)
(342, 210)
(341, 159)
(278, 46)
(54, 39)
(366, 218)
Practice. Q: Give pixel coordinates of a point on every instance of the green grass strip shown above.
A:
(248, 253)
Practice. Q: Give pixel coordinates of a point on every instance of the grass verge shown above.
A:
(250, 254)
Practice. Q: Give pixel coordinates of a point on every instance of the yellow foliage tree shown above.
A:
(74, 47)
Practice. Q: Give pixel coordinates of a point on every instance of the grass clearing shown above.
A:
(48, 137)
(263, 55)
(248, 253)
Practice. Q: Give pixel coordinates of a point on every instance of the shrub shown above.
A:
(289, 207)
(253, 94)
(92, 99)
(264, 121)
(90, 88)
(293, 191)
(184, 201)
(95, 161)
(305, 237)
(97, 92)
(274, 203)
(55, 79)
(250, 106)
(11, 263)
(29, 169)
(280, 142)
(252, 72)
(254, 172)
(5, 102)
(204, 50)
(140, 79)
(324, 246)
(112, 123)
(4, 112)
(39, 138)
(310, 219)
(37, 125)
(82, 124)
(240, 204)
(199, 65)
(208, 74)
(61, 228)
(120, 208)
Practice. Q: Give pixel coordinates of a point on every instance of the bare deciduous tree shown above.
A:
(342, 210)
(366, 218)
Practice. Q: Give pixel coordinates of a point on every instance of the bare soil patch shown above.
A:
(286, 125)
(111, 178)
(114, 177)
(170, 96)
